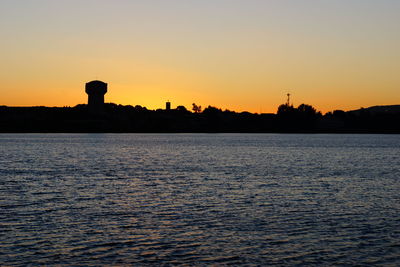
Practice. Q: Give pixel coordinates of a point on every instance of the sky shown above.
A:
(241, 55)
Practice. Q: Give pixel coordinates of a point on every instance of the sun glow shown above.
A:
(229, 54)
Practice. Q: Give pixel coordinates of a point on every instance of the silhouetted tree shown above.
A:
(301, 118)
(181, 109)
(307, 110)
(286, 109)
(140, 108)
(211, 110)
(196, 108)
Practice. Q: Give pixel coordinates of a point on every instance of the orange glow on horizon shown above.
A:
(155, 98)
(245, 56)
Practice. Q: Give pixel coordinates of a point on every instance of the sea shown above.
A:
(199, 200)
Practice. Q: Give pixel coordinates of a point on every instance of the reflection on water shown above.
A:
(199, 199)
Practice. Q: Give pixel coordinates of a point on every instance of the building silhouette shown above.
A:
(96, 91)
(168, 105)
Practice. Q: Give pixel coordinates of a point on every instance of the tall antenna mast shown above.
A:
(288, 100)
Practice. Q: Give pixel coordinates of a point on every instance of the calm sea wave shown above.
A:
(199, 199)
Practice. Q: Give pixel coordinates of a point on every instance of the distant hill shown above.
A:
(391, 109)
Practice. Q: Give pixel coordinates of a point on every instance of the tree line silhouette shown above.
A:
(119, 118)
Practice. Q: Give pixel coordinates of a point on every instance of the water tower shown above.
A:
(96, 91)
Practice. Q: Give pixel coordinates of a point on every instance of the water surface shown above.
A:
(199, 199)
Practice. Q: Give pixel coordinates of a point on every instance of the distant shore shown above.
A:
(136, 119)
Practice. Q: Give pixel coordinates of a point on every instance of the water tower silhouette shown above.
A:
(96, 91)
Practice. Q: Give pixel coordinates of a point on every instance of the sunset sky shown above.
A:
(242, 55)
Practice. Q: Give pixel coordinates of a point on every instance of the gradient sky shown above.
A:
(233, 54)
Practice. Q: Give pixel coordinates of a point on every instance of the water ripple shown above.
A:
(198, 199)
